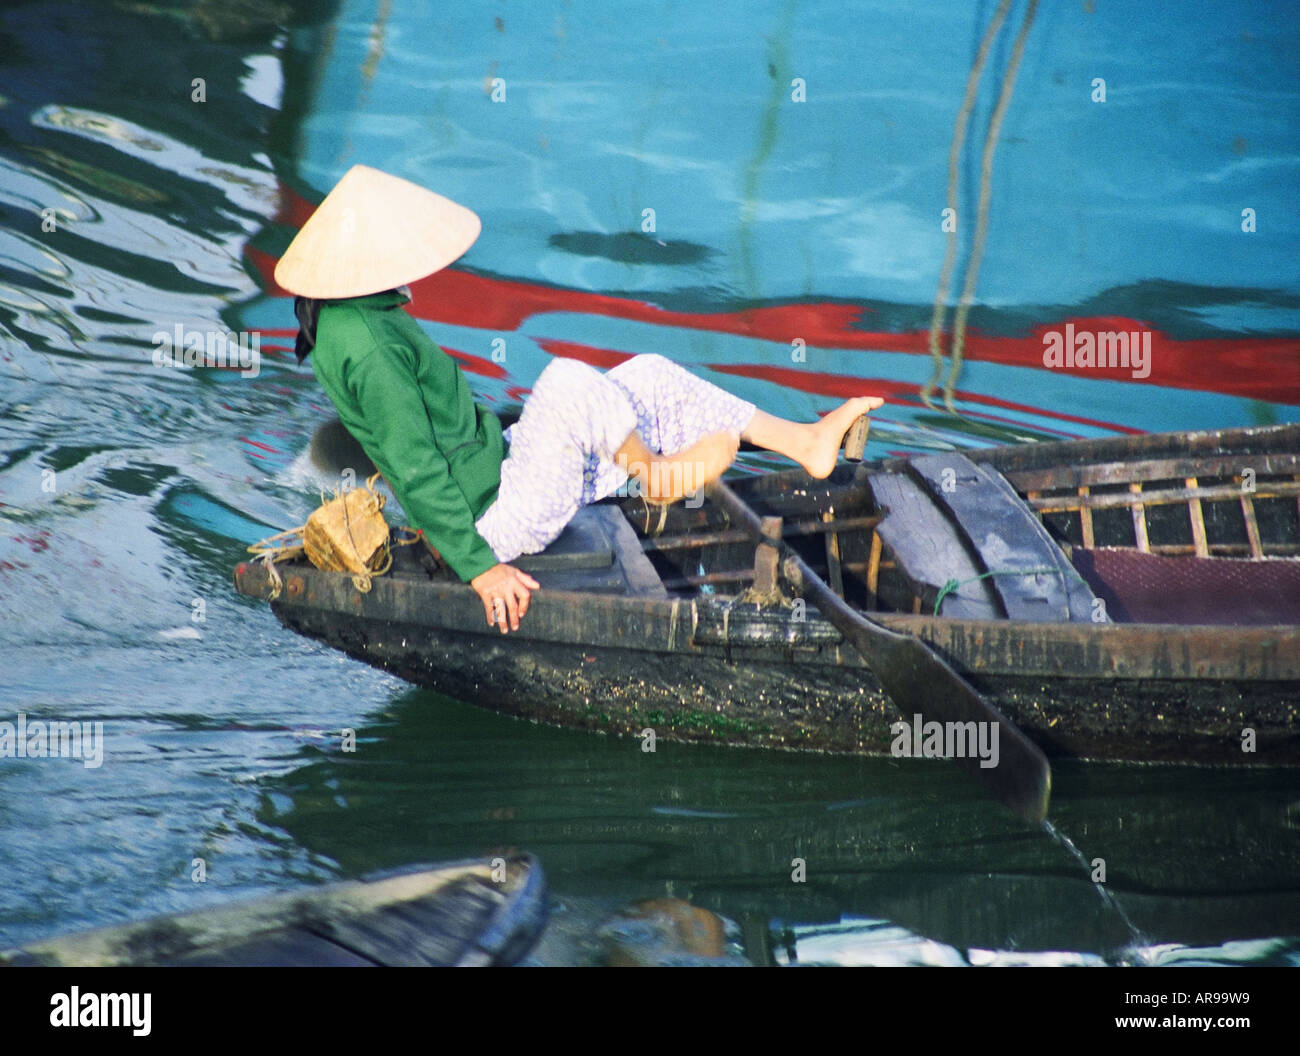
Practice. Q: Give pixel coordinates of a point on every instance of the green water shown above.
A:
(116, 605)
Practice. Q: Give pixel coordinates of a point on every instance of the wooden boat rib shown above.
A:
(1128, 598)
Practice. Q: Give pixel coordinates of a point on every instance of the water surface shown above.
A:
(128, 491)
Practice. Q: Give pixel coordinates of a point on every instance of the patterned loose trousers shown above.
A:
(562, 448)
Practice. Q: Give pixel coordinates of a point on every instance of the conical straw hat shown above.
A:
(374, 232)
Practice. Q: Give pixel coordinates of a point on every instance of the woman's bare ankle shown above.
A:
(828, 435)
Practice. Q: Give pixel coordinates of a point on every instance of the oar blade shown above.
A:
(945, 708)
(920, 682)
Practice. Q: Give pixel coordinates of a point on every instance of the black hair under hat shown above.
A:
(307, 309)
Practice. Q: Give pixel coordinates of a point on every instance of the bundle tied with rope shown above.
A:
(347, 533)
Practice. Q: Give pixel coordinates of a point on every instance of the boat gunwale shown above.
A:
(1252, 440)
(1082, 651)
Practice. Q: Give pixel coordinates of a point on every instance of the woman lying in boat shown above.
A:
(582, 436)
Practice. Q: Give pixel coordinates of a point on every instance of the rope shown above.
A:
(662, 507)
(954, 157)
(278, 547)
(361, 580)
(982, 212)
(986, 193)
(953, 585)
(272, 574)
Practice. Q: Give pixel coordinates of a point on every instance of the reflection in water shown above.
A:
(628, 248)
(904, 862)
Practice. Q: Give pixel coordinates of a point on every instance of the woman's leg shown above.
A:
(561, 457)
(814, 445)
(582, 431)
(675, 410)
(667, 478)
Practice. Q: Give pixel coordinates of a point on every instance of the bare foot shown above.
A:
(826, 436)
(684, 472)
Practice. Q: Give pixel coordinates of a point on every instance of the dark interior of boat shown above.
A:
(1120, 530)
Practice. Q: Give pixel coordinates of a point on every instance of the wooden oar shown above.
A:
(917, 679)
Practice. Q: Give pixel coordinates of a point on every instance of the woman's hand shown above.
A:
(505, 593)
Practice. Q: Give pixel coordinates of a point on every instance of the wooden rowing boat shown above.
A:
(1124, 598)
(459, 914)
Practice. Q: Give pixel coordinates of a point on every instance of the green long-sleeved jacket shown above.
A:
(410, 407)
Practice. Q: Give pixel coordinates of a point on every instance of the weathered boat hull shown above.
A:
(475, 913)
(706, 670)
(644, 620)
